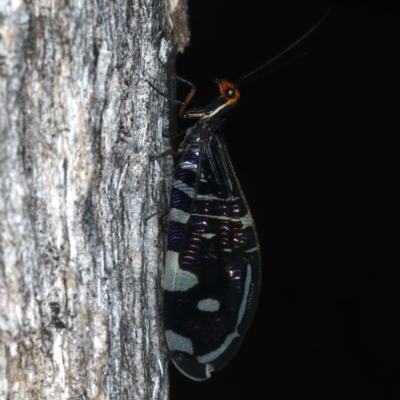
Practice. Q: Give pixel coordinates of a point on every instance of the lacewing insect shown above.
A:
(213, 263)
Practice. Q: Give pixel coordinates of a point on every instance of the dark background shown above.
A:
(315, 147)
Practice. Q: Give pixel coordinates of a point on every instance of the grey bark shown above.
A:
(81, 264)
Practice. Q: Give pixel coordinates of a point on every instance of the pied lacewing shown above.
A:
(213, 263)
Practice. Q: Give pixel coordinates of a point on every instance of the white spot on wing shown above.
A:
(222, 218)
(188, 165)
(178, 184)
(209, 369)
(216, 353)
(178, 342)
(245, 295)
(177, 279)
(246, 221)
(212, 197)
(208, 235)
(208, 305)
(252, 250)
(179, 216)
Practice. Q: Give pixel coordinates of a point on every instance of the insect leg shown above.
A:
(173, 135)
(189, 96)
(183, 104)
(165, 154)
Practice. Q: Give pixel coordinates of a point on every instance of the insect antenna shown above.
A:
(256, 75)
(259, 70)
(176, 101)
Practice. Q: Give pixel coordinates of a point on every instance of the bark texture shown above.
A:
(81, 264)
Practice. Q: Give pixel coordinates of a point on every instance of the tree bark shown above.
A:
(81, 263)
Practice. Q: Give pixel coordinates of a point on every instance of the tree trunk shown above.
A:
(81, 263)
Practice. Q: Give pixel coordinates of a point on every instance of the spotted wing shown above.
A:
(213, 262)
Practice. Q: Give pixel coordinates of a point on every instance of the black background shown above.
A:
(315, 147)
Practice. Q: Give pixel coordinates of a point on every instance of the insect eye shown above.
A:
(230, 93)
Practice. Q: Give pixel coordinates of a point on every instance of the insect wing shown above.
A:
(213, 262)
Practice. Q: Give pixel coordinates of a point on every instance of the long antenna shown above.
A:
(294, 44)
